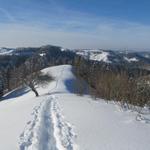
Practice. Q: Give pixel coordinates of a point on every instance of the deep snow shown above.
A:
(61, 120)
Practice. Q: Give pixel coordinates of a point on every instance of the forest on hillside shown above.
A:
(123, 83)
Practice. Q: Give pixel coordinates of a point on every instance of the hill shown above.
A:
(62, 120)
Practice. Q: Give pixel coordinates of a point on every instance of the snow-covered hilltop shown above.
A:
(6, 51)
(99, 55)
(16, 51)
(29, 123)
(116, 57)
(96, 55)
(62, 120)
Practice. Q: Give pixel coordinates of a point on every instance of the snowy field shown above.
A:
(61, 120)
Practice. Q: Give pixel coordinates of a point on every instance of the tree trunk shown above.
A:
(36, 93)
(33, 89)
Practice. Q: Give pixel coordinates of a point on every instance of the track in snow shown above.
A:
(63, 130)
(47, 130)
(57, 81)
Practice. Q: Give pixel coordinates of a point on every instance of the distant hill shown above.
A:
(115, 57)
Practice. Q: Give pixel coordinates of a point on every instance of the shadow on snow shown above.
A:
(16, 93)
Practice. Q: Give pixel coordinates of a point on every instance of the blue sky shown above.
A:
(108, 24)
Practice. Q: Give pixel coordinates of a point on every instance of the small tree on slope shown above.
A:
(35, 79)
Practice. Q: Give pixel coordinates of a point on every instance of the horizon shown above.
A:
(121, 24)
(123, 50)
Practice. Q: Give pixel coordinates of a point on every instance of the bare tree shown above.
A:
(35, 79)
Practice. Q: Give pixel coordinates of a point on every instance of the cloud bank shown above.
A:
(71, 29)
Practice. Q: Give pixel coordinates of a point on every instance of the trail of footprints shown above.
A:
(47, 130)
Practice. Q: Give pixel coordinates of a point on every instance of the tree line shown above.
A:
(121, 83)
(118, 83)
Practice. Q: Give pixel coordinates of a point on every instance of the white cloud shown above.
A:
(18, 35)
(36, 23)
(93, 35)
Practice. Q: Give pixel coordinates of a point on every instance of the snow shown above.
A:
(42, 54)
(96, 55)
(4, 51)
(63, 49)
(14, 114)
(147, 56)
(131, 59)
(29, 123)
(102, 126)
(61, 120)
(103, 56)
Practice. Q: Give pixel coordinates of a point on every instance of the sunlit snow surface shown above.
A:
(97, 55)
(61, 120)
(131, 59)
(4, 51)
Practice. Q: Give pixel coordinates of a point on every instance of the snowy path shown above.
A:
(99, 125)
(47, 130)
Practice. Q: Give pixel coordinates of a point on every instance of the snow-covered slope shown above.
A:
(29, 123)
(16, 51)
(131, 59)
(6, 51)
(103, 56)
(111, 56)
(61, 120)
(96, 55)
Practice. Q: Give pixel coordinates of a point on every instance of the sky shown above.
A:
(107, 24)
